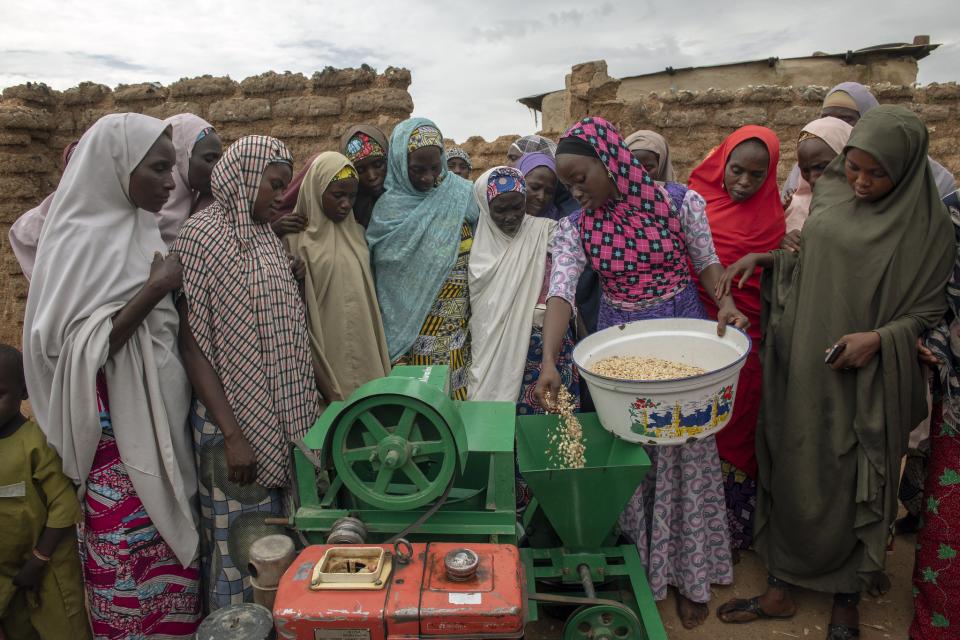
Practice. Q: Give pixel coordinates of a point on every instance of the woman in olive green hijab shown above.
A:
(869, 279)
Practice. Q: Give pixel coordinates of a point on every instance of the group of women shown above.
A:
(193, 309)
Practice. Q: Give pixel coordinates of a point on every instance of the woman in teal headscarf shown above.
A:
(420, 237)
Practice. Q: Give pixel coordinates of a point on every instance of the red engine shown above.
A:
(372, 592)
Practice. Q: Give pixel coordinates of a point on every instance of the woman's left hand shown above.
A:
(860, 349)
(791, 241)
(298, 267)
(729, 314)
(926, 355)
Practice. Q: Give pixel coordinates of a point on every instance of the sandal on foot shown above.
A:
(880, 585)
(842, 632)
(746, 606)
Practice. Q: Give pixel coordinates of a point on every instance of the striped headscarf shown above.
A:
(534, 143)
(457, 152)
(245, 311)
(851, 95)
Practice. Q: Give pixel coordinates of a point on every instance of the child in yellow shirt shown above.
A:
(41, 586)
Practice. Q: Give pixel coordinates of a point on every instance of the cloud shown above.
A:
(505, 30)
(30, 58)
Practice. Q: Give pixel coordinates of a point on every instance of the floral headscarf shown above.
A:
(362, 146)
(504, 180)
(425, 136)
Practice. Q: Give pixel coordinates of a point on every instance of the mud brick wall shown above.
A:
(694, 122)
(308, 113)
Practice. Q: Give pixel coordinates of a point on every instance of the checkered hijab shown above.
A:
(245, 312)
(635, 241)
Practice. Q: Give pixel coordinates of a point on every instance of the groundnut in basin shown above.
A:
(671, 411)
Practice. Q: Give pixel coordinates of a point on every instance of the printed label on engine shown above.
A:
(341, 634)
(466, 598)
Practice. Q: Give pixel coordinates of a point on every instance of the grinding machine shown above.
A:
(405, 460)
(399, 460)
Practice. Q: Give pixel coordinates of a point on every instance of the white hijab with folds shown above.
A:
(94, 256)
(184, 127)
(505, 279)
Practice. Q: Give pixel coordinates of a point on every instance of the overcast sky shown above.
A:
(470, 60)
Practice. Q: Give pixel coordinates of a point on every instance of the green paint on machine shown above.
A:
(391, 450)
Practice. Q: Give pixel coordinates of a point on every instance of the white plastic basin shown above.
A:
(665, 412)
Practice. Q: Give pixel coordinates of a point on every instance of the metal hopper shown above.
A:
(581, 507)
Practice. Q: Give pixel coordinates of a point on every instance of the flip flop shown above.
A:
(747, 606)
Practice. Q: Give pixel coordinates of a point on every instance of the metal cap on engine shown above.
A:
(461, 564)
(347, 530)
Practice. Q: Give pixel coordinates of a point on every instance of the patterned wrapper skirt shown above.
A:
(231, 517)
(136, 587)
(936, 574)
(678, 516)
(527, 403)
(741, 497)
(444, 337)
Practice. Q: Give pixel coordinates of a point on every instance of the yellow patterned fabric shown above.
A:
(425, 136)
(445, 335)
(345, 174)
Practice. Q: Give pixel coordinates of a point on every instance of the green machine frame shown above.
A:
(399, 445)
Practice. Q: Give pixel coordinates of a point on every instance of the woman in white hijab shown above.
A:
(198, 149)
(509, 277)
(106, 382)
(508, 281)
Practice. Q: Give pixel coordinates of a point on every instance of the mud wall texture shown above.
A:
(694, 122)
(308, 113)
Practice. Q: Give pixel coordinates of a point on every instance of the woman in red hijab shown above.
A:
(739, 182)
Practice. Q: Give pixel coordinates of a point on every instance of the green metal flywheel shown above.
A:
(393, 451)
(603, 622)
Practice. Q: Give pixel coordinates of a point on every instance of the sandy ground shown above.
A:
(885, 617)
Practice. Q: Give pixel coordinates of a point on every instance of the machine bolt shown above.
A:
(566, 571)
(373, 456)
(391, 458)
(414, 451)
